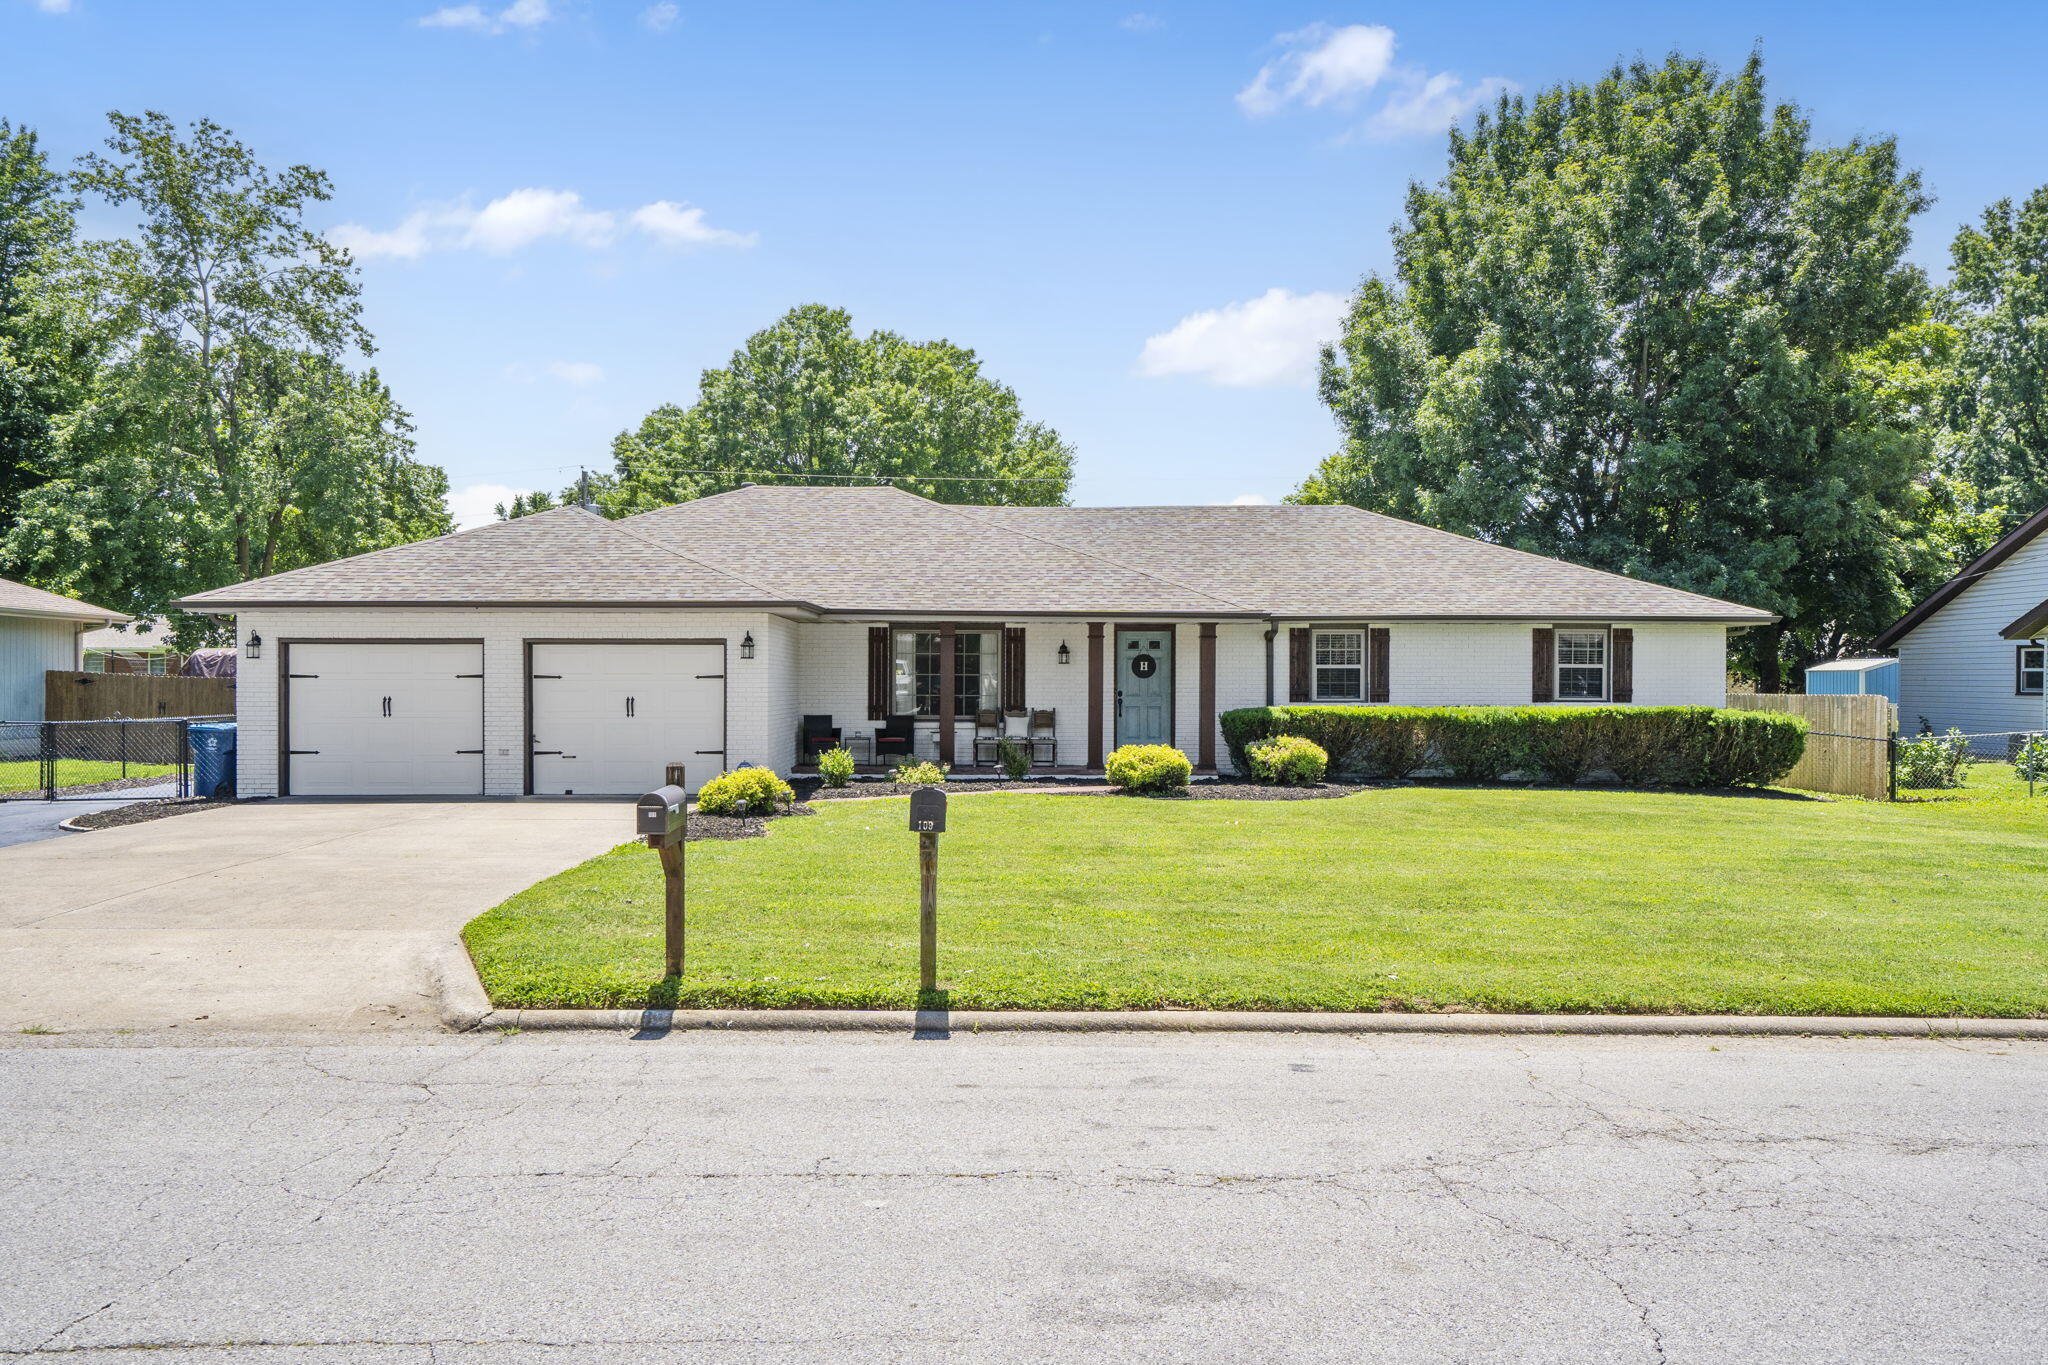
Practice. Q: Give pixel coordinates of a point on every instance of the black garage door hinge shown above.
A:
(711, 675)
(302, 675)
(538, 752)
(302, 751)
(469, 751)
(469, 675)
(711, 751)
(542, 675)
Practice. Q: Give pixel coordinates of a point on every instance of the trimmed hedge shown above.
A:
(1148, 768)
(1675, 746)
(744, 791)
(1288, 761)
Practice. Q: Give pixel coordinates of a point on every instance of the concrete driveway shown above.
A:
(273, 914)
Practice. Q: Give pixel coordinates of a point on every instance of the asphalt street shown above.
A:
(570, 1199)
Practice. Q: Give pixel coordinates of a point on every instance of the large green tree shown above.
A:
(809, 401)
(1998, 406)
(42, 360)
(224, 435)
(1640, 325)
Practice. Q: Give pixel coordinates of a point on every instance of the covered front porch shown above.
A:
(1065, 691)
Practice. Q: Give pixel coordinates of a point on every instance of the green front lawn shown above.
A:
(1403, 898)
(22, 775)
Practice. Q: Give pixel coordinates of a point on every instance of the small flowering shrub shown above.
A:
(1148, 768)
(744, 791)
(835, 766)
(1288, 761)
(2030, 764)
(920, 772)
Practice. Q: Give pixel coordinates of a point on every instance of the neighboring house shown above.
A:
(1970, 655)
(40, 631)
(566, 653)
(137, 647)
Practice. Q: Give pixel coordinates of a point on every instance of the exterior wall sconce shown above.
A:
(1066, 655)
(254, 649)
(747, 645)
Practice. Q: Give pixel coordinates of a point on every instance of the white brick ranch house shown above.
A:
(564, 653)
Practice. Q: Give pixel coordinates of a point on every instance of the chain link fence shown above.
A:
(1955, 764)
(92, 759)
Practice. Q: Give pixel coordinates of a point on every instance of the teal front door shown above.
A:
(1144, 686)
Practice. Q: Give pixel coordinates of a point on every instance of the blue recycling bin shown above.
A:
(213, 759)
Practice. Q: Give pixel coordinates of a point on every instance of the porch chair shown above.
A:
(1043, 739)
(988, 731)
(898, 735)
(819, 734)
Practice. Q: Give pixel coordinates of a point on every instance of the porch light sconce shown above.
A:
(1066, 655)
(255, 646)
(747, 645)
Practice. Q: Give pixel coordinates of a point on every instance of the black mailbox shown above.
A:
(928, 811)
(659, 814)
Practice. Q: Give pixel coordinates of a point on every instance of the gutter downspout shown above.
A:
(1272, 629)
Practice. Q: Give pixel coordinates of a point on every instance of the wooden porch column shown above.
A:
(1205, 744)
(1095, 694)
(948, 667)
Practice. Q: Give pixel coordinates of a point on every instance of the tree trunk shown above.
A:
(1770, 675)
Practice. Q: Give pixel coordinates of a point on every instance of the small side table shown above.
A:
(861, 745)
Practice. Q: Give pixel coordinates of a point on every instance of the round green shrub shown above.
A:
(744, 791)
(835, 766)
(1148, 768)
(1288, 761)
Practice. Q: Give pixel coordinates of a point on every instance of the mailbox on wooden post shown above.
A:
(928, 820)
(662, 819)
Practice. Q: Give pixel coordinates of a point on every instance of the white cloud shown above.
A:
(660, 18)
(520, 14)
(1249, 500)
(476, 504)
(54, 6)
(526, 216)
(679, 225)
(1141, 22)
(1270, 341)
(581, 373)
(1322, 65)
(1431, 104)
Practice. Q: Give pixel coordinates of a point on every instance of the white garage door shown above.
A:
(609, 718)
(385, 720)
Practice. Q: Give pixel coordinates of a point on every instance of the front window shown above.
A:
(1581, 665)
(1340, 665)
(976, 681)
(2030, 670)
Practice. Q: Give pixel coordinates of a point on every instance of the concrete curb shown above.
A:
(941, 1023)
(464, 1006)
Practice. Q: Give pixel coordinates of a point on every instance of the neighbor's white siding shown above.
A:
(1487, 663)
(1956, 670)
(29, 647)
(760, 710)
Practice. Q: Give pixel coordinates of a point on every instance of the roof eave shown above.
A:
(111, 618)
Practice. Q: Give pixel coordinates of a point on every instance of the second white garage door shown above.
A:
(608, 718)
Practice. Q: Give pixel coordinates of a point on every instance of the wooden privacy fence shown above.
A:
(1848, 742)
(143, 696)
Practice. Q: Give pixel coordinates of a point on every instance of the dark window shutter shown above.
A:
(1013, 670)
(1300, 664)
(881, 689)
(1376, 686)
(1542, 664)
(1622, 642)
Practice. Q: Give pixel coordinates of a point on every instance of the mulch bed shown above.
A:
(736, 826)
(144, 810)
(811, 789)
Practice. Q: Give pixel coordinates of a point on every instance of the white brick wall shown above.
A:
(1486, 663)
(801, 668)
(1956, 670)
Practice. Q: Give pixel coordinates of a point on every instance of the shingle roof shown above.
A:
(1323, 561)
(881, 550)
(19, 599)
(569, 555)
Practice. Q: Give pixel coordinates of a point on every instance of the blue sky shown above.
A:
(1141, 215)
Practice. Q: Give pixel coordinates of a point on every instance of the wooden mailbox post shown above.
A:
(928, 819)
(662, 818)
